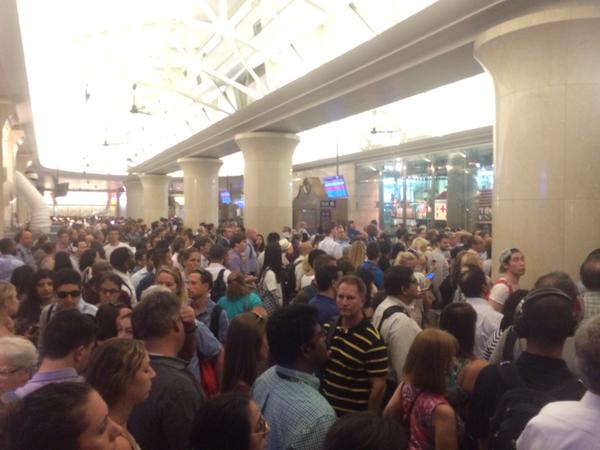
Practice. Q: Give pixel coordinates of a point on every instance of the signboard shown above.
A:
(441, 209)
(327, 203)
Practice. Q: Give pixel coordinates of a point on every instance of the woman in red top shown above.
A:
(420, 402)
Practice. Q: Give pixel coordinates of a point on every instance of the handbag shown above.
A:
(267, 298)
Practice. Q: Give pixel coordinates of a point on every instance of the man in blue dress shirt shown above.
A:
(288, 393)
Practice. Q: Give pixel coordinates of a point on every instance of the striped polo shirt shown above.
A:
(356, 355)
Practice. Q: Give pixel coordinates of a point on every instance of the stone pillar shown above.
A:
(200, 190)
(135, 197)
(546, 71)
(155, 194)
(462, 192)
(267, 179)
(5, 110)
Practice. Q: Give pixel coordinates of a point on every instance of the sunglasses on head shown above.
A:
(65, 294)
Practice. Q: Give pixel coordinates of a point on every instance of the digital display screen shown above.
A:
(335, 187)
(225, 197)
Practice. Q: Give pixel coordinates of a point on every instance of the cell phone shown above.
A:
(430, 275)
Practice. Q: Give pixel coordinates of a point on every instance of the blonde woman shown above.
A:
(357, 253)
(172, 279)
(421, 399)
(420, 245)
(419, 305)
(9, 306)
(120, 371)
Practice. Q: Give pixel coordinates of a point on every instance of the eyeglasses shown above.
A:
(109, 291)
(65, 294)
(262, 427)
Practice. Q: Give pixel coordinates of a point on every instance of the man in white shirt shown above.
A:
(512, 266)
(218, 259)
(572, 425)
(113, 242)
(392, 320)
(437, 262)
(473, 285)
(329, 245)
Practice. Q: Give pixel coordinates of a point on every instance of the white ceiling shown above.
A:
(192, 62)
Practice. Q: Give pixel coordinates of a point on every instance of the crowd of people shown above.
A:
(118, 335)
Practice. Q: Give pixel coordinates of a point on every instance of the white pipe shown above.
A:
(40, 212)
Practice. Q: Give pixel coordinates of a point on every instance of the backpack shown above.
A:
(215, 317)
(219, 287)
(517, 406)
(389, 312)
(288, 282)
(508, 351)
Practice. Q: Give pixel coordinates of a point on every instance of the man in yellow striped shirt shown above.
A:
(354, 376)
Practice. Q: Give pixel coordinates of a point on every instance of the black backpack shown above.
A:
(215, 317)
(389, 312)
(288, 282)
(517, 406)
(219, 288)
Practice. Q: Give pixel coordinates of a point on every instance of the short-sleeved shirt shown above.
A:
(564, 426)
(274, 286)
(376, 271)
(215, 268)
(398, 332)
(538, 372)
(501, 290)
(206, 315)
(356, 356)
(164, 420)
(298, 415)
(235, 263)
(591, 304)
(44, 378)
(488, 322)
(8, 263)
(207, 347)
(236, 306)
(326, 307)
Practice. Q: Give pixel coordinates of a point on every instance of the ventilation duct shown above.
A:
(40, 213)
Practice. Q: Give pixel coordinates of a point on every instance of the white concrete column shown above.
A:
(155, 194)
(546, 71)
(5, 110)
(267, 179)
(135, 197)
(200, 190)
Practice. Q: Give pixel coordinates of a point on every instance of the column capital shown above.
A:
(267, 135)
(200, 160)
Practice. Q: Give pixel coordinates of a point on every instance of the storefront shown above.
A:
(446, 188)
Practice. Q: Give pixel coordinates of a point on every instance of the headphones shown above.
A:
(521, 319)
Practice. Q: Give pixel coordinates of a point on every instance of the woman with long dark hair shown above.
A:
(269, 280)
(41, 294)
(21, 280)
(59, 416)
(229, 422)
(246, 352)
